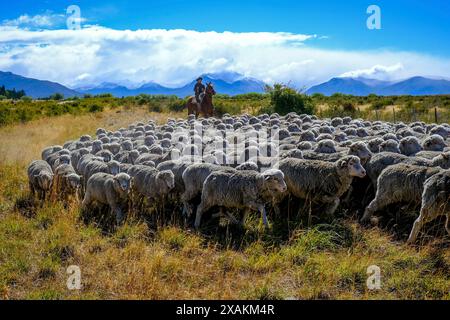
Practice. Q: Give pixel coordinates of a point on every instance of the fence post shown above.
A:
(393, 110)
(435, 115)
(376, 113)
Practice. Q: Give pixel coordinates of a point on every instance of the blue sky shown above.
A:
(410, 29)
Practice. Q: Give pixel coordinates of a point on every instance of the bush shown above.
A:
(177, 105)
(26, 98)
(95, 108)
(3, 98)
(285, 99)
(56, 96)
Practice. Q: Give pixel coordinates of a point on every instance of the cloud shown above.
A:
(96, 54)
(46, 20)
(378, 72)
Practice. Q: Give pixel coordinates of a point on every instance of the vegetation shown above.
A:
(293, 260)
(285, 99)
(279, 98)
(11, 94)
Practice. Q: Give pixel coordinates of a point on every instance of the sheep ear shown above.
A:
(343, 163)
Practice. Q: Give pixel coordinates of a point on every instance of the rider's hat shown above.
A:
(199, 78)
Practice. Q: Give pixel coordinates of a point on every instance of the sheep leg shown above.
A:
(381, 200)
(331, 207)
(32, 190)
(261, 209)
(423, 218)
(228, 215)
(447, 223)
(200, 210)
(120, 216)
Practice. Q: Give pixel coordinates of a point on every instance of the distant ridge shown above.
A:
(34, 88)
(233, 85)
(362, 87)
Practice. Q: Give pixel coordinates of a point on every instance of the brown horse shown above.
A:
(206, 107)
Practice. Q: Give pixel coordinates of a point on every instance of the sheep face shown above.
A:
(166, 181)
(274, 180)
(361, 151)
(74, 181)
(410, 146)
(352, 166)
(390, 146)
(45, 180)
(122, 183)
(113, 167)
(434, 143)
(64, 159)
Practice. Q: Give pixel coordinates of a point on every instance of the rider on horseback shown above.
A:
(199, 90)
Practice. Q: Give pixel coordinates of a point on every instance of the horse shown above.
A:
(206, 107)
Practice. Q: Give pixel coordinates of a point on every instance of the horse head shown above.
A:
(210, 89)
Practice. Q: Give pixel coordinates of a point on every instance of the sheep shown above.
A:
(93, 167)
(428, 154)
(434, 142)
(66, 183)
(410, 145)
(398, 183)
(63, 159)
(76, 155)
(106, 189)
(151, 183)
(249, 165)
(239, 189)
(390, 145)
(435, 202)
(127, 156)
(193, 178)
(440, 130)
(443, 160)
(40, 178)
(50, 150)
(374, 145)
(294, 153)
(84, 161)
(324, 182)
(177, 167)
(325, 146)
(381, 161)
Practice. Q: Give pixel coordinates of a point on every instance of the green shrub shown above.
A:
(177, 105)
(56, 96)
(285, 99)
(95, 108)
(26, 98)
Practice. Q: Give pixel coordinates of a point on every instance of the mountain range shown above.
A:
(231, 83)
(362, 87)
(224, 83)
(34, 88)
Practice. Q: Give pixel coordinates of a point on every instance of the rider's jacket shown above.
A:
(199, 88)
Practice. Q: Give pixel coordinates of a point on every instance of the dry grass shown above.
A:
(135, 262)
(22, 143)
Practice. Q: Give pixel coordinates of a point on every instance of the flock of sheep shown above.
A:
(247, 163)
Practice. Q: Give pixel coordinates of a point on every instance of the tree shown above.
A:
(285, 99)
(56, 96)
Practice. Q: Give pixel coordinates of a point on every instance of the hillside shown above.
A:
(34, 88)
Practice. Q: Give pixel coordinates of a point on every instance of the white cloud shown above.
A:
(172, 57)
(378, 72)
(37, 21)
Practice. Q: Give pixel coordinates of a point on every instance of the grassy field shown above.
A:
(290, 261)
